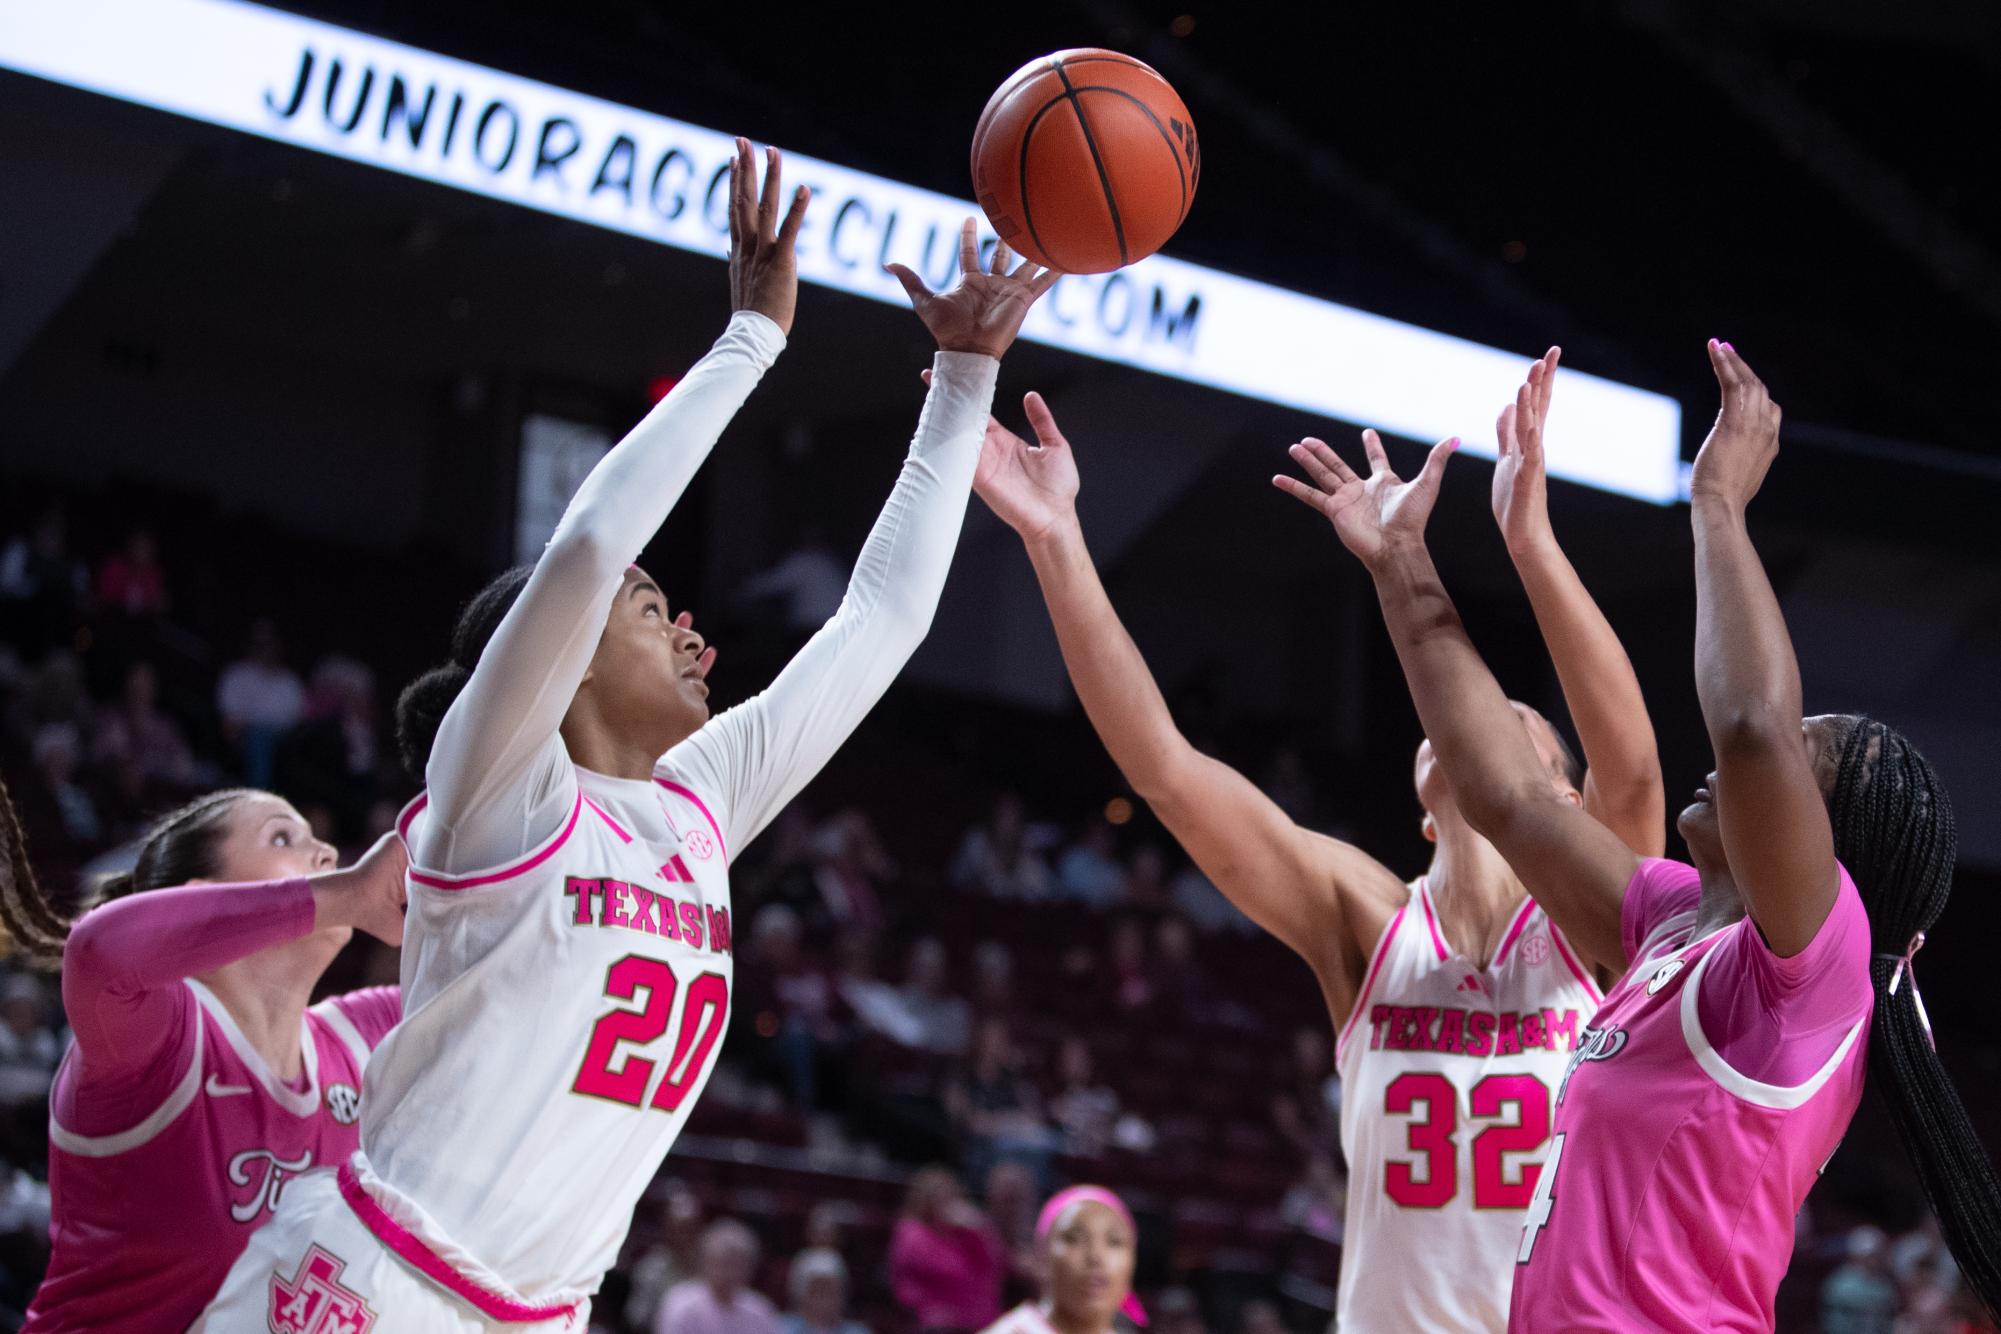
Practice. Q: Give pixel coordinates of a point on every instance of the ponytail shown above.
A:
(182, 846)
(1893, 830)
(421, 708)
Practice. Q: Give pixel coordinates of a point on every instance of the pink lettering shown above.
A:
(1532, 1031)
(1379, 1022)
(1479, 1033)
(691, 925)
(1425, 1014)
(583, 889)
(1565, 1028)
(643, 900)
(1507, 1039)
(614, 904)
(1451, 1032)
(719, 930)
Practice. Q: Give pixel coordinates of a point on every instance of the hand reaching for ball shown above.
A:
(983, 311)
(764, 264)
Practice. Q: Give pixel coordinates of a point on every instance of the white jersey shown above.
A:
(1448, 1073)
(568, 952)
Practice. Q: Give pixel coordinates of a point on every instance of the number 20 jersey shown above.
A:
(562, 1015)
(1448, 1080)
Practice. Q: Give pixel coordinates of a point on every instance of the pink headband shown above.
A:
(1065, 1200)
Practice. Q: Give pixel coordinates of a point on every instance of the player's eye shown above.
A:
(282, 838)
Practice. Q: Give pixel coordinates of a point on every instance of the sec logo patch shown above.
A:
(700, 846)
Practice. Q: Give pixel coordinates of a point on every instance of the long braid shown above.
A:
(180, 847)
(1893, 830)
(37, 929)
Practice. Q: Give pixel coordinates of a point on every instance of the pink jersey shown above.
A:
(1709, 1091)
(170, 1138)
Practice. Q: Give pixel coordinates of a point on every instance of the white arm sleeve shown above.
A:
(757, 756)
(499, 778)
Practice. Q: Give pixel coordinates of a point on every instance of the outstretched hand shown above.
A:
(1374, 516)
(983, 311)
(367, 895)
(764, 264)
(1734, 459)
(1521, 482)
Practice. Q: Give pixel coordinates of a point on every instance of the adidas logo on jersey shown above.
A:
(1664, 975)
(614, 903)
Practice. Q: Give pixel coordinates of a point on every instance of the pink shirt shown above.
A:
(947, 1277)
(1709, 1091)
(692, 1308)
(170, 1139)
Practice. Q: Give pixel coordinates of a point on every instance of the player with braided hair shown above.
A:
(1724, 1067)
(200, 1081)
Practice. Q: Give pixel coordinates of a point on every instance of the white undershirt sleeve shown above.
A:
(757, 756)
(499, 778)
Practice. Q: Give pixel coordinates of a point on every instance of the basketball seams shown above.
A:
(1173, 148)
(1027, 209)
(1097, 160)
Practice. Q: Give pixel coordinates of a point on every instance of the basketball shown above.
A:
(1085, 161)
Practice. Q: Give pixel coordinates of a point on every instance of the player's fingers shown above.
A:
(1719, 361)
(1433, 473)
(913, 285)
(1042, 421)
(1043, 281)
(1321, 464)
(1372, 445)
(1527, 423)
(1301, 492)
(767, 199)
(1548, 383)
(1504, 431)
(1003, 259)
(795, 216)
(969, 248)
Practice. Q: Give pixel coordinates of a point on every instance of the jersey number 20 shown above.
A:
(625, 1077)
(1433, 1138)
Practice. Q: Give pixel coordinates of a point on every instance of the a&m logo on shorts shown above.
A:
(314, 1302)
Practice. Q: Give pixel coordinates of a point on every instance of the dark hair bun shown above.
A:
(419, 711)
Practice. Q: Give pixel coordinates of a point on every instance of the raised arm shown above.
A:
(1326, 899)
(499, 778)
(758, 755)
(1575, 867)
(1622, 784)
(1769, 809)
(124, 962)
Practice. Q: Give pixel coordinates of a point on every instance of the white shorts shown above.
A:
(315, 1268)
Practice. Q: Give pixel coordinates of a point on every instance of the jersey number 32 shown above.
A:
(626, 1076)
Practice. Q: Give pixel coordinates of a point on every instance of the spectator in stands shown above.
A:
(260, 699)
(139, 739)
(1011, 1202)
(994, 858)
(333, 757)
(993, 981)
(1146, 880)
(819, 1287)
(131, 582)
(881, 1008)
(58, 752)
(721, 1301)
(945, 1260)
(996, 1110)
(1920, 1257)
(1130, 979)
(1185, 993)
(1859, 1298)
(29, 1047)
(1260, 1317)
(1317, 1205)
(1307, 1108)
(850, 867)
(1089, 872)
(673, 1258)
(827, 1226)
(1085, 1110)
(55, 696)
(945, 1022)
(1175, 1311)
(805, 1032)
(42, 586)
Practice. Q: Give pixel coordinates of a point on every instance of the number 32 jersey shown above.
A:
(618, 927)
(1448, 1078)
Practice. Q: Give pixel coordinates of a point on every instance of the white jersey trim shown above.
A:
(1369, 980)
(299, 1102)
(343, 1028)
(109, 1146)
(1781, 1097)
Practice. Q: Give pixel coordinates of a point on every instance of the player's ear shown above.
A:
(1429, 828)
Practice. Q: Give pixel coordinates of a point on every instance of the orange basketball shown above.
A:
(1085, 161)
